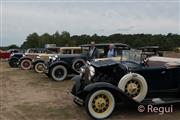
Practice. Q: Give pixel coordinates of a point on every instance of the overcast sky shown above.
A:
(21, 18)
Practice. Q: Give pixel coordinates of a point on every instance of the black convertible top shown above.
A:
(104, 63)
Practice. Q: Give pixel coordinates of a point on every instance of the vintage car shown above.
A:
(39, 62)
(4, 54)
(14, 58)
(148, 51)
(25, 62)
(62, 66)
(103, 84)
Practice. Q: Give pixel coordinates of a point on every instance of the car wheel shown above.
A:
(77, 64)
(134, 85)
(39, 67)
(13, 63)
(100, 104)
(59, 73)
(25, 64)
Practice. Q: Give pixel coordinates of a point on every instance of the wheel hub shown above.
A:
(133, 88)
(40, 67)
(100, 103)
(59, 73)
(25, 64)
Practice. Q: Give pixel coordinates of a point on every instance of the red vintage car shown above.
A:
(4, 54)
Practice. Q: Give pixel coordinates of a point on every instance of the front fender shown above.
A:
(13, 58)
(25, 58)
(118, 94)
(59, 63)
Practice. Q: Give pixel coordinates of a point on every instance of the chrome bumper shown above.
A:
(76, 99)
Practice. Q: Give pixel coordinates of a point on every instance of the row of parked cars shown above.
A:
(131, 77)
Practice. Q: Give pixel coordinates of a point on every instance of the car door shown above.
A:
(159, 78)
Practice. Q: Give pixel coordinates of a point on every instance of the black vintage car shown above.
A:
(14, 58)
(60, 66)
(148, 51)
(103, 84)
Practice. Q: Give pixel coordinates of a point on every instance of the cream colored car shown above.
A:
(39, 61)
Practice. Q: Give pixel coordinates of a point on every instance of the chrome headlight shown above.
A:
(54, 58)
(38, 57)
(82, 71)
(50, 57)
(87, 72)
(92, 71)
(12, 55)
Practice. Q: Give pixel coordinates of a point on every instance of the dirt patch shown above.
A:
(26, 95)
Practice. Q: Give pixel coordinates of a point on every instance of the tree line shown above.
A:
(165, 42)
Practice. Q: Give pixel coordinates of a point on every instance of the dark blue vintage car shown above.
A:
(14, 58)
(59, 67)
(103, 84)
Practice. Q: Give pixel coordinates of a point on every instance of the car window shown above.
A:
(77, 51)
(67, 51)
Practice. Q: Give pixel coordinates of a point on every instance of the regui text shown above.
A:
(160, 110)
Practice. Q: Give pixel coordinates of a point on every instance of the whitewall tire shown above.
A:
(134, 85)
(59, 73)
(26, 64)
(39, 67)
(100, 104)
(77, 64)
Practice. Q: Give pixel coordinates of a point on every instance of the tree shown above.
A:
(13, 46)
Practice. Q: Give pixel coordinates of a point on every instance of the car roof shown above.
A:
(36, 49)
(70, 47)
(149, 47)
(106, 44)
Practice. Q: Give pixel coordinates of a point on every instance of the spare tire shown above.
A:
(77, 64)
(134, 85)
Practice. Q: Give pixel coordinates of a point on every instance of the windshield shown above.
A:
(132, 55)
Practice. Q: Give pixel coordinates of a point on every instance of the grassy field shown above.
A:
(26, 95)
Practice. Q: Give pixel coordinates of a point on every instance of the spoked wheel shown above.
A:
(25, 64)
(100, 104)
(59, 73)
(134, 85)
(133, 88)
(77, 64)
(39, 67)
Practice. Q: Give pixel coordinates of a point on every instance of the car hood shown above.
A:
(104, 63)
